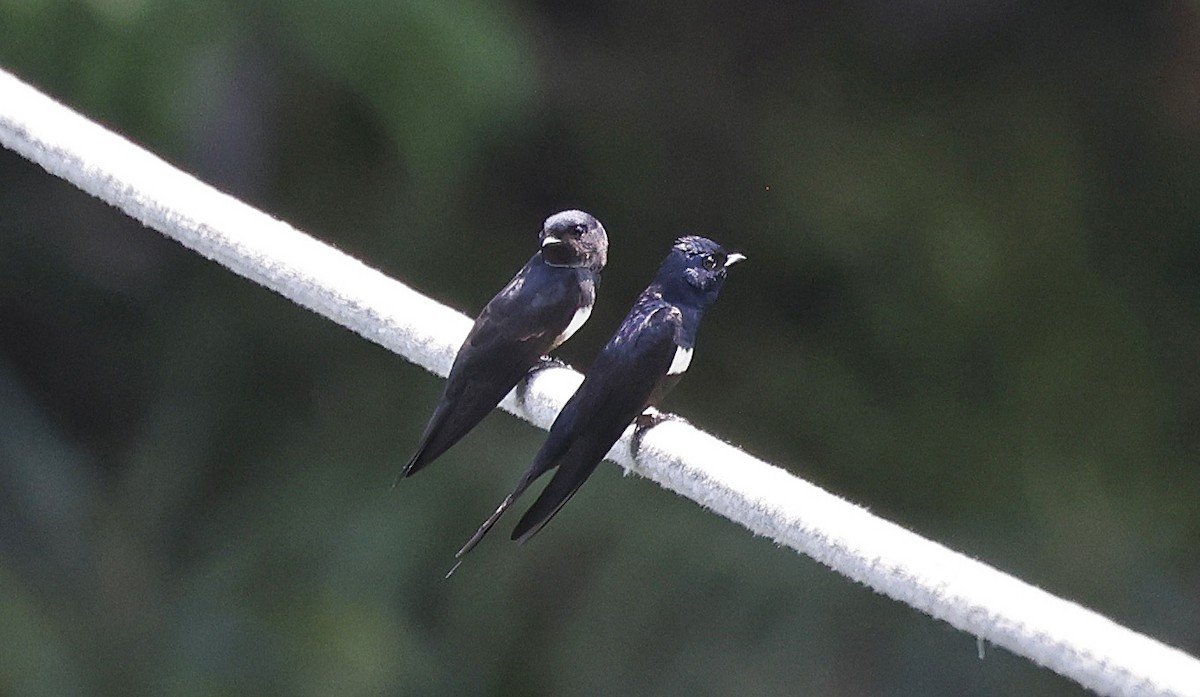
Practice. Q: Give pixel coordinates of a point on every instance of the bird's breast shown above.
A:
(681, 361)
(581, 315)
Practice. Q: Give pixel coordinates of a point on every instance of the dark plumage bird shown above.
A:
(541, 307)
(641, 362)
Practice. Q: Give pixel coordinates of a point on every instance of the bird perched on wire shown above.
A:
(541, 307)
(641, 362)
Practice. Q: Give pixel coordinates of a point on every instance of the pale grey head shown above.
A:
(574, 239)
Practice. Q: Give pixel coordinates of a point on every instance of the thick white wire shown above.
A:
(970, 595)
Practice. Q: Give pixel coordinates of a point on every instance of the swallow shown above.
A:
(642, 361)
(548, 300)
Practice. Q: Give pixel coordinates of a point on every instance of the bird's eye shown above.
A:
(580, 229)
(710, 262)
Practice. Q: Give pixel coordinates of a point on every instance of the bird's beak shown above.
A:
(733, 259)
(550, 240)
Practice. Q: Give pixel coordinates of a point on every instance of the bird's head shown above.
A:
(574, 239)
(695, 270)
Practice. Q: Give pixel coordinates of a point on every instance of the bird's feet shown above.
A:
(644, 422)
(543, 363)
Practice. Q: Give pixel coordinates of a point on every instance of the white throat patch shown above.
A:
(683, 358)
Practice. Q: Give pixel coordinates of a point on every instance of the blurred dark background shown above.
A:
(972, 304)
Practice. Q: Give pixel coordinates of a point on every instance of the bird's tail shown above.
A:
(526, 480)
(565, 484)
(487, 525)
(418, 461)
(444, 429)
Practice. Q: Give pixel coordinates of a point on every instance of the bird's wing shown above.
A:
(612, 394)
(620, 387)
(536, 306)
(518, 326)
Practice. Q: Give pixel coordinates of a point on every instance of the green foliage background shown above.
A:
(972, 304)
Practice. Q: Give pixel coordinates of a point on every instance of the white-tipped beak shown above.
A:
(733, 259)
(549, 240)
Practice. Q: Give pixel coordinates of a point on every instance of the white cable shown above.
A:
(971, 596)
